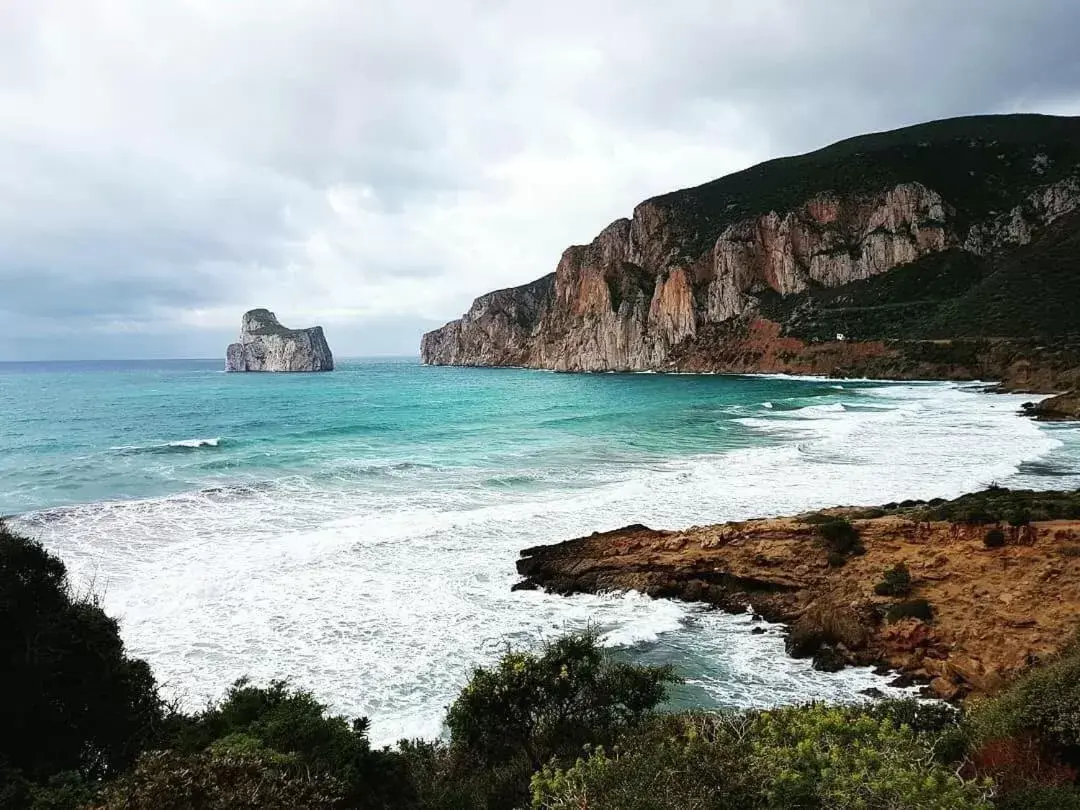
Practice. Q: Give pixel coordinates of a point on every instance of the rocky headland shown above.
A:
(266, 345)
(947, 593)
(947, 250)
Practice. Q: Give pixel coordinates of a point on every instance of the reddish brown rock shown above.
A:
(975, 643)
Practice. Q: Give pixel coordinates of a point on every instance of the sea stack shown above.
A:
(266, 345)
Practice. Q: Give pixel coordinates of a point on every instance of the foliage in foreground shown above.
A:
(808, 757)
(73, 706)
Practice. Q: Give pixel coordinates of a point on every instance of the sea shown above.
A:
(356, 532)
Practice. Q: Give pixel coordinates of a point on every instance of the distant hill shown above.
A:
(961, 231)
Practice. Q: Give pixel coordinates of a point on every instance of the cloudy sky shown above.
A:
(373, 166)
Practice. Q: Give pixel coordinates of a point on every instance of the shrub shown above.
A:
(673, 761)
(897, 582)
(817, 518)
(531, 708)
(840, 536)
(836, 559)
(976, 515)
(1041, 798)
(869, 514)
(994, 538)
(64, 675)
(170, 781)
(921, 716)
(809, 756)
(1018, 762)
(277, 725)
(910, 609)
(1043, 704)
(1020, 516)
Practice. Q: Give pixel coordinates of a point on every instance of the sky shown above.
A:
(374, 166)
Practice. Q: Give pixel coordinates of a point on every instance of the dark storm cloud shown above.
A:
(375, 166)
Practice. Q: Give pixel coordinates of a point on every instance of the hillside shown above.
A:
(962, 232)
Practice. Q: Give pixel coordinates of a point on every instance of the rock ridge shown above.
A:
(663, 289)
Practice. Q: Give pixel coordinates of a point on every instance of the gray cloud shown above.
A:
(374, 166)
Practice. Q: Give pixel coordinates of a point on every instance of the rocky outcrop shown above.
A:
(1061, 408)
(780, 569)
(266, 345)
(654, 290)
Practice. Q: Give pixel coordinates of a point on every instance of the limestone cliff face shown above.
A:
(498, 329)
(628, 299)
(266, 345)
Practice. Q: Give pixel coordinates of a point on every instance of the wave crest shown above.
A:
(179, 446)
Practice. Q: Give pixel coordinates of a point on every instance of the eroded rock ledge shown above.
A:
(1061, 408)
(997, 611)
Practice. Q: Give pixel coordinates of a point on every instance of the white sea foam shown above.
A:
(195, 443)
(168, 446)
(383, 599)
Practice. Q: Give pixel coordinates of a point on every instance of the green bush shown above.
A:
(1043, 704)
(71, 700)
(921, 716)
(808, 757)
(897, 582)
(836, 560)
(674, 761)
(279, 725)
(550, 704)
(994, 538)
(910, 609)
(840, 536)
(817, 518)
(530, 708)
(1001, 505)
(1018, 516)
(1041, 798)
(170, 781)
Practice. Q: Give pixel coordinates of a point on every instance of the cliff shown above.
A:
(266, 345)
(782, 569)
(748, 273)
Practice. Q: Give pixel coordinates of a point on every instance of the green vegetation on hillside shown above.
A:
(563, 727)
(1032, 291)
(979, 164)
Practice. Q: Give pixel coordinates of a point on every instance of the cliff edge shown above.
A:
(266, 345)
(941, 250)
(948, 592)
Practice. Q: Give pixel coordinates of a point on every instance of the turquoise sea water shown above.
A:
(358, 530)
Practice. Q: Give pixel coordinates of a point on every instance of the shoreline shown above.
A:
(780, 568)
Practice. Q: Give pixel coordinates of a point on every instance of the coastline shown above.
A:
(781, 569)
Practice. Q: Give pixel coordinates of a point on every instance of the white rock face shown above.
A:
(266, 345)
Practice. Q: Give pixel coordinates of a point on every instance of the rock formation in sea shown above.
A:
(840, 261)
(266, 345)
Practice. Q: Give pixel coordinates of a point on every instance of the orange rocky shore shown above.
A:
(996, 611)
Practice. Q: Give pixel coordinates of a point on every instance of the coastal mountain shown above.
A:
(266, 345)
(947, 249)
